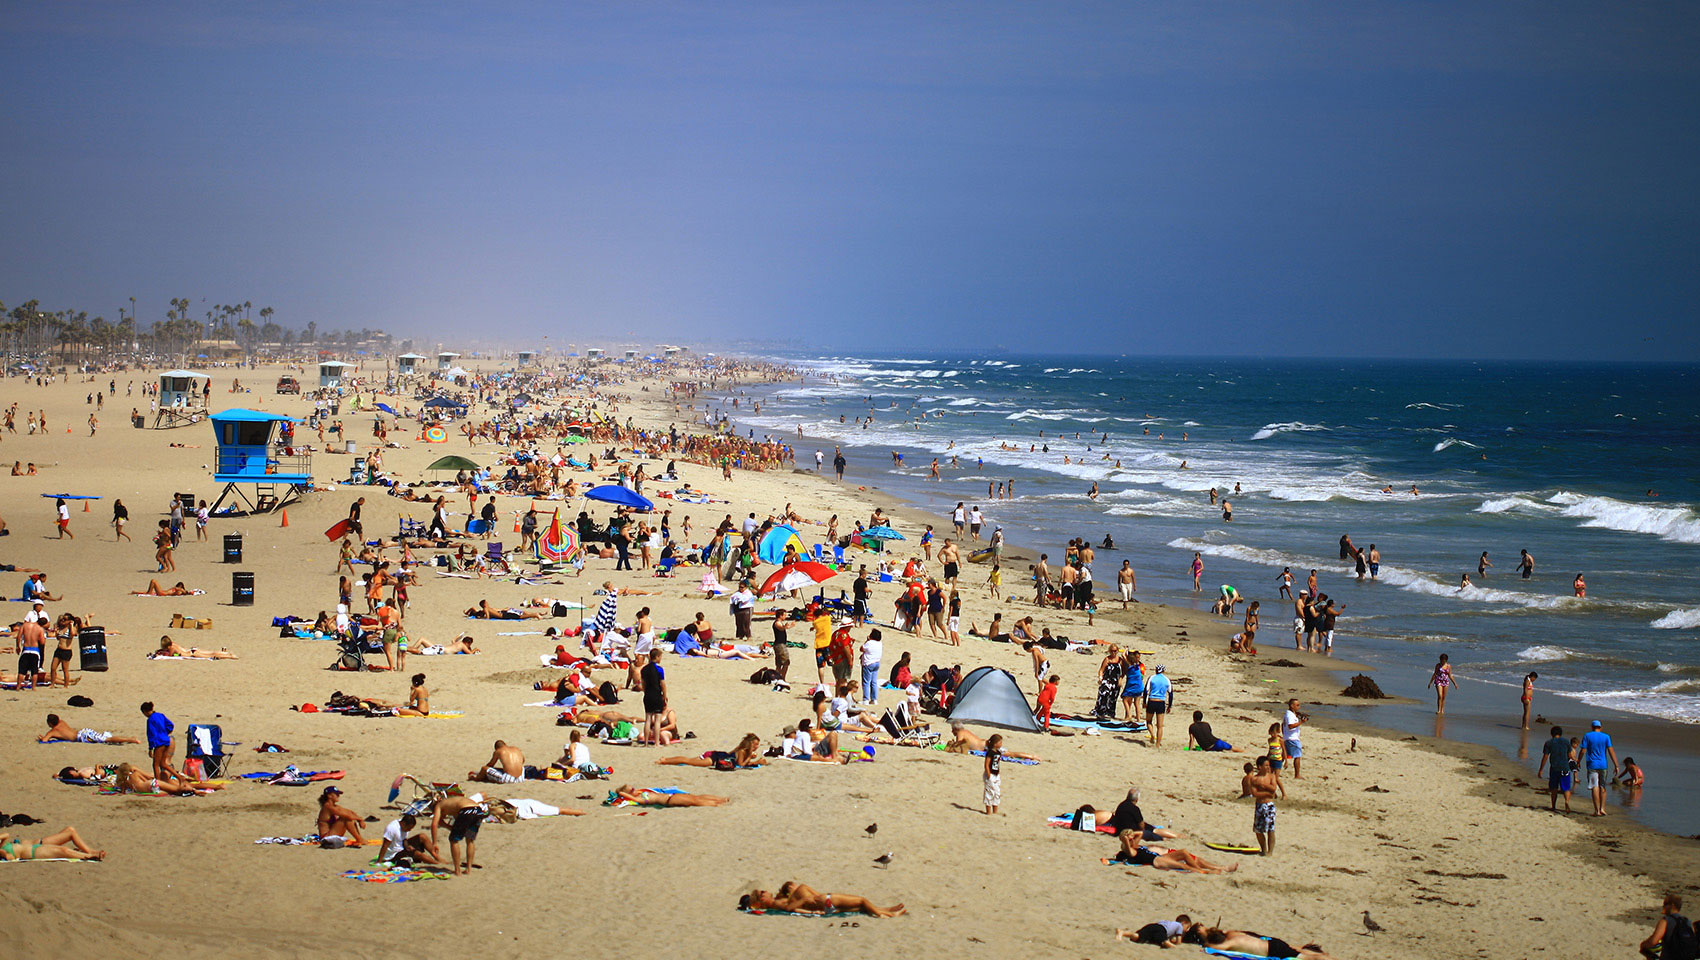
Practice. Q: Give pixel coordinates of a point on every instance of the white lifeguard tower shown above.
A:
(407, 364)
(331, 373)
(526, 357)
(671, 353)
(181, 398)
(446, 360)
(631, 355)
(595, 353)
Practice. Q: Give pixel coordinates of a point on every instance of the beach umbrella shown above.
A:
(559, 543)
(388, 409)
(882, 533)
(444, 402)
(616, 494)
(452, 462)
(773, 544)
(794, 576)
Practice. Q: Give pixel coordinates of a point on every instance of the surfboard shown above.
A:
(1232, 847)
(338, 531)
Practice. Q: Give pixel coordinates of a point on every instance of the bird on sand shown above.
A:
(1371, 925)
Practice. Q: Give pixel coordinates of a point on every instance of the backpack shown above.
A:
(764, 675)
(1680, 942)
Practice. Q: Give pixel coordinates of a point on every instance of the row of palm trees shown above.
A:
(29, 329)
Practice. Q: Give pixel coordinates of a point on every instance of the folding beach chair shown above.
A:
(838, 554)
(902, 728)
(494, 553)
(206, 744)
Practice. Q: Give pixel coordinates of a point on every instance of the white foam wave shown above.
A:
(1679, 524)
(1432, 406)
(1686, 619)
(1291, 426)
(1517, 503)
(1681, 706)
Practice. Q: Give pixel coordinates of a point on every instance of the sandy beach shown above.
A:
(1451, 852)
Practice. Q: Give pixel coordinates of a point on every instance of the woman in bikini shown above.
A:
(1528, 695)
(1441, 681)
(746, 754)
(155, 590)
(130, 780)
(1172, 859)
(67, 844)
(643, 796)
(794, 897)
(169, 648)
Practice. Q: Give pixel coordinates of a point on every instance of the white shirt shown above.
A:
(913, 692)
(976, 516)
(1290, 726)
(871, 650)
(750, 525)
(64, 512)
(580, 754)
(395, 841)
(800, 745)
(744, 600)
(959, 515)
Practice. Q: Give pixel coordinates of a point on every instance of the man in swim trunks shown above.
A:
(464, 815)
(58, 731)
(506, 765)
(1263, 785)
(1251, 944)
(1555, 762)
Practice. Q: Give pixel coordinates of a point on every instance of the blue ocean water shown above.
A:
(1593, 469)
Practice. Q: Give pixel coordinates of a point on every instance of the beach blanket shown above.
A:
(311, 839)
(1066, 821)
(755, 912)
(304, 777)
(394, 875)
(615, 800)
(51, 860)
(156, 596)
(889, 742)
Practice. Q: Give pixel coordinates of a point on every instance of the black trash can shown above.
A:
(233, 548)
(188, 502)
(91, 645)
(242, 588)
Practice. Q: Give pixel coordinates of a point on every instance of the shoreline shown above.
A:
(1667, 741)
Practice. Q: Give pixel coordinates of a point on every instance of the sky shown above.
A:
(1367, 179)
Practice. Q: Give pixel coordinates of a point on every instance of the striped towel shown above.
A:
(605, 614)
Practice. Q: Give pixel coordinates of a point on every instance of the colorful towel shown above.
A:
(394, 875)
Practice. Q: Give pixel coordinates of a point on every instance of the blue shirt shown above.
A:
(1594, 747)
(159, 730)
(1158, 688)
(30, 591)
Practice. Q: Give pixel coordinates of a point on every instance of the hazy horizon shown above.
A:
(1447, 180)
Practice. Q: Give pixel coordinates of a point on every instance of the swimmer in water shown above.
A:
(1482, 565)
(1465, 584)
(1580, 586)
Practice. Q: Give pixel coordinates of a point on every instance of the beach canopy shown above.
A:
(444, 402)
(388, 409)
(795, 576)
(991, 696)
(616, 494)
(452, 462)
(773, 543)
(882, 533)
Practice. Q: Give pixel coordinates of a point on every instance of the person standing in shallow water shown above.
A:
(1442, 681)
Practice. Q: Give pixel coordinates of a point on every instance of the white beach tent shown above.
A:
(991, 696)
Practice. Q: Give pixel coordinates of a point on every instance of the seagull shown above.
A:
(884, 859)
(1371, 925)
(872, 829)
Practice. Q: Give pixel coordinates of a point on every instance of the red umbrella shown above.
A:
(794, 576)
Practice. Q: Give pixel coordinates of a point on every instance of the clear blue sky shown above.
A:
(1359, 179)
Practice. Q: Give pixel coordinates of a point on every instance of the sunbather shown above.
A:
(67, 844)
(463, 645)
(336, 820)
(643, 796)
(486, 612)
(794, 897)
(1244, 941)
(746, 754)
(58, 731)
(964, 740)
(506, 765)
(155, 590)
(169, 648)
(1173, 859)
(130, 780)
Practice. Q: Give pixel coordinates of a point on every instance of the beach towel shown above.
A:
(51, 860)
(306, 777)
(192, 593)
(754, 912)
(889, 742)
(615, 800)
(311, 839)
(394, 875)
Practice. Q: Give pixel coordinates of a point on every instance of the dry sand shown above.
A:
(1452, 857)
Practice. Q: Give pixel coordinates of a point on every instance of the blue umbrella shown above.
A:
(773, 544)
(616, 494)
(882, 533)
(388, 409)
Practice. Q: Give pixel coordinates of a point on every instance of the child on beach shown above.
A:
(1047, 700)
(995, 580)
(993, 773)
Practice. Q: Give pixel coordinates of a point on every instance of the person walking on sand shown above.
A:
(1159, 699)
(1197, 571)
(1126, 583)
(993, 773)
(120, 516)
(1291, 720)
(64, 513)
(1597, 751)
(1528, 695)
(1555, 762)
(1442, 680)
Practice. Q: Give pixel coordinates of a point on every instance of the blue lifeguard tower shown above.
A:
(258, 449)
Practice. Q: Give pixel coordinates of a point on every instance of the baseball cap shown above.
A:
(1596, 723)
(330, 790)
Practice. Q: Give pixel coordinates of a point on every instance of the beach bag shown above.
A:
(606, 693)
(764, 676)
(1680, 942)
(622, 730)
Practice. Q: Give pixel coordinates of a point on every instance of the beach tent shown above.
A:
(991, 696)
(773, 544)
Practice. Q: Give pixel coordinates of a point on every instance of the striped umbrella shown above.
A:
(559, 544)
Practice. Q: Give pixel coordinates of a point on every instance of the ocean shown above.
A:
(1593, 469)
